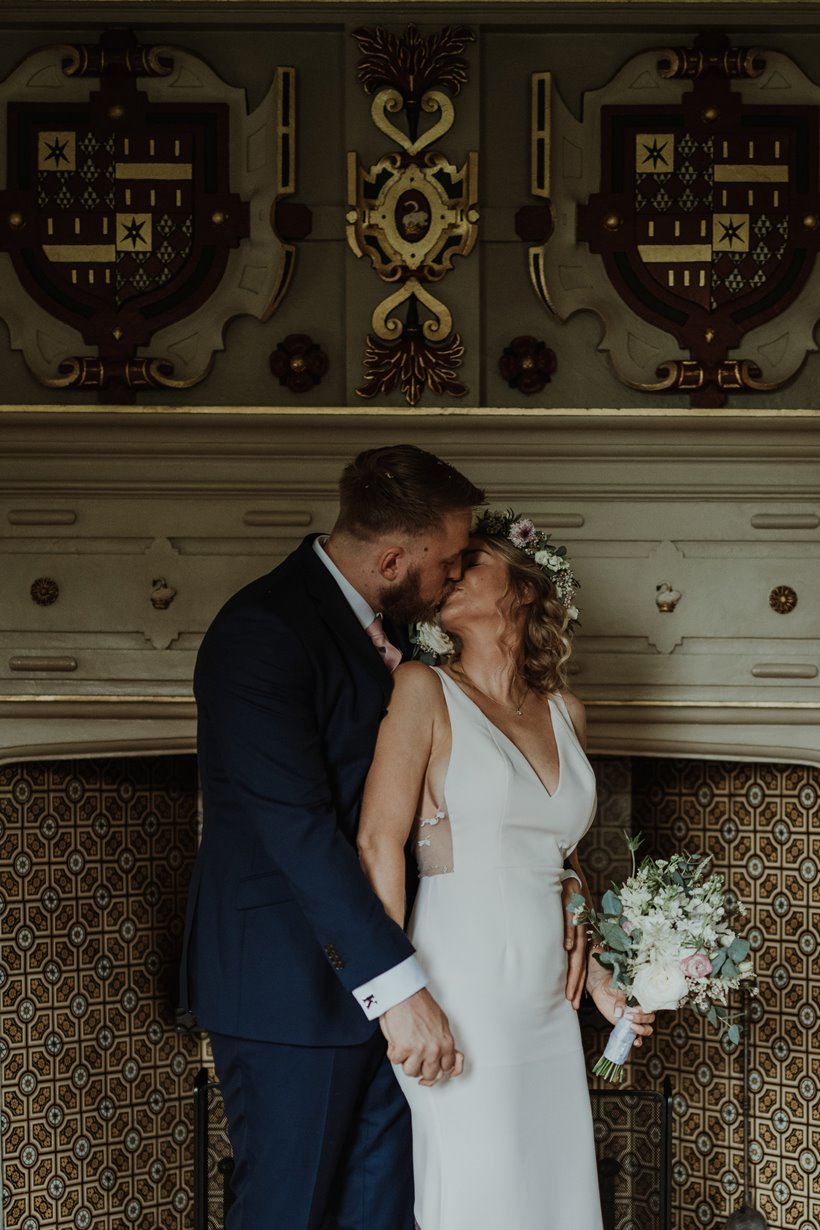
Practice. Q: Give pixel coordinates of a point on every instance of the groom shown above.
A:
(290, 962)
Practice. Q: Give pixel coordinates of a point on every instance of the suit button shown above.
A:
(333, 957)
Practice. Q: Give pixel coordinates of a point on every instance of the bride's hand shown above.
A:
(612, 1004)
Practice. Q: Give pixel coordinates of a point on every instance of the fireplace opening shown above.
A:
(97, 1084)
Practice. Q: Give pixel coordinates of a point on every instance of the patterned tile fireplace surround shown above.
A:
(123, 535)
(96, 1084)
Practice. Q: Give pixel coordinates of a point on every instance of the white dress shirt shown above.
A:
(402, 980)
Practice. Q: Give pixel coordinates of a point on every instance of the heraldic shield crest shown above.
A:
(127, 209)
(706, 217)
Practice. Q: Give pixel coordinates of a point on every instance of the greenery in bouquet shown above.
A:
(667, 938)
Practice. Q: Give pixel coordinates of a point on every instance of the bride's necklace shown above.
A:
(516, 709)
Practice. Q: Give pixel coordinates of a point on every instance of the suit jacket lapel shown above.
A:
(336, 613)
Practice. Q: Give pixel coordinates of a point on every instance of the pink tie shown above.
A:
(391, 655)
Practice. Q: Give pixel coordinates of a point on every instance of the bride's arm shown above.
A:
(395, 781)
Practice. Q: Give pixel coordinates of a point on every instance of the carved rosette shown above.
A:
(299, 362)
(527, 364)
(413, 210)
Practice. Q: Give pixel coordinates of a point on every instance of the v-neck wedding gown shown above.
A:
(508, 1145)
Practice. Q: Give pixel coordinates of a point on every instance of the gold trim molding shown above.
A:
(545, 412)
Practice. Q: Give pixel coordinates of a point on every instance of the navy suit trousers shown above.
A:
(320, 1136)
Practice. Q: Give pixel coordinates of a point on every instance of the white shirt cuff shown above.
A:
(569, 874)
(390, 988)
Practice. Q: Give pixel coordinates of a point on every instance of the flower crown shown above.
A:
(523, 534)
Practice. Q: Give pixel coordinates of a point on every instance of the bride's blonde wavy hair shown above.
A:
(546, 645)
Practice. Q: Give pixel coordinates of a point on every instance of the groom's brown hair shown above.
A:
(400, 488)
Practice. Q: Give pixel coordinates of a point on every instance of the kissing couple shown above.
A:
(351, 994)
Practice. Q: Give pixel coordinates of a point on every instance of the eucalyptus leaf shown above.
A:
(612, 903)
(738, 949)
(718, 960)
(729, 969)
(712, 1017)
(576, 902)
(615, 937)
(733, 1034)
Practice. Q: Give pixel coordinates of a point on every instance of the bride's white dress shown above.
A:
(508, 1145)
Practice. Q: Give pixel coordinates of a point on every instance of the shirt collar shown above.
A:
(361, 609)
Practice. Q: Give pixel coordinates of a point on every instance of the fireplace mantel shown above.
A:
(127, 510)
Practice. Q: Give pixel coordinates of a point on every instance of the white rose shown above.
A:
(573, 612)
(659, 986)
(434, 639)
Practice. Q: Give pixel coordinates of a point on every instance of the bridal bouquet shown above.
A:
(666, 938)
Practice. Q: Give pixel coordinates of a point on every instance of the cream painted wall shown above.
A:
(723, 508)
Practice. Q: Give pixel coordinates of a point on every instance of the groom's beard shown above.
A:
(403, 603)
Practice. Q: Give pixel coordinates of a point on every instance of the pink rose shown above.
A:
(627, 925)
(696, 966)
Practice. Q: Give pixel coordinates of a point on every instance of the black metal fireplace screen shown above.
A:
(633, 1144)
(633, 1133)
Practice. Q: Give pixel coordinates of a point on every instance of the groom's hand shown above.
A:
(575, 943)
(419, 1038)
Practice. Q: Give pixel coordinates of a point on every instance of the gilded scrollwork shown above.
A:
(413, 364)
(413, 211)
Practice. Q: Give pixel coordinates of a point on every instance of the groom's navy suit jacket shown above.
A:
(282, 924)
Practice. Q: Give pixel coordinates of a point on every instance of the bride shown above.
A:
(482, 760)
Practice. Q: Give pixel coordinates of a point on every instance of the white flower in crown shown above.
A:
(432, 638)
(546, 559)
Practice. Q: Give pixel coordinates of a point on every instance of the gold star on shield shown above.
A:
(654, 153)
(56, 151)
(134, 232)
(730, 232)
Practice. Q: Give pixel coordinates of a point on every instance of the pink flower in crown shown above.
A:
(522, 532)
(627, 925)
(697, 965)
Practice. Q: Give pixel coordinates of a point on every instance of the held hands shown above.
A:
(612, 1004)
(419, 1038)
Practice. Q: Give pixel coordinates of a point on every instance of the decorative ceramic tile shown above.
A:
(96, 1082)
(760, 823)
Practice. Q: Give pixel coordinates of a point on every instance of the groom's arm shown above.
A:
(256, 682)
